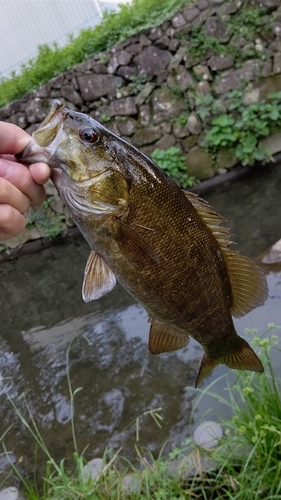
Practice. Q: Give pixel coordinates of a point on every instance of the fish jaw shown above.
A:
(46, 139)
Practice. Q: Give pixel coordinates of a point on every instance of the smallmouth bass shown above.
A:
(167, 247)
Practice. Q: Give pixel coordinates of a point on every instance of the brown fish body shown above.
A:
(166, 247)
(188, 274)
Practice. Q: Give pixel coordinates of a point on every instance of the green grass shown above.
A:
(114, 27)
(247, 459)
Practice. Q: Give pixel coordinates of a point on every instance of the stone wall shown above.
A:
(149, 88)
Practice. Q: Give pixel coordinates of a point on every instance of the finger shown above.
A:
(40, 172)
(12, 138)
(12, 222)
(9, 194)
(21, 178)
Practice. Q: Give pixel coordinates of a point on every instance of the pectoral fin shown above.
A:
(163, 338)
(134, 246)
(244, 358)
(98, 278)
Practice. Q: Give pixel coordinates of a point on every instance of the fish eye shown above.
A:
(88, 135)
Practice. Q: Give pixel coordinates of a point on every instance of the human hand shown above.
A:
(20, 187)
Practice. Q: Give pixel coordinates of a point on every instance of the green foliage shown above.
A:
(114, 27)
(182, 119)
(173, 163)
(248, 22)
(243, 130)
(43, 217)
(250, 451)
(200, 43)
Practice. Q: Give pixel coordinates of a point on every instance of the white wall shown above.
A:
(25, 24)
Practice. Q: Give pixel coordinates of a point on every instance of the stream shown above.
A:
(47, 332)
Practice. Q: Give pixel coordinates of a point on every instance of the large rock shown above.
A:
(94, 86)
(215, 27)
(226, 158)
(237, 78)
(194, 124)
(151, 61)
(223, 61)
(121, 58)
(146, 136)
(165, 106)
(71, 94)
(199, 164)
(180, 79)
(37, 109)
(272, 143)
(123, 106)
(166, 142)
(261, 89)
(126, 125)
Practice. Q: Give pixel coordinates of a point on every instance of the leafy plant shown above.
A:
(49, 221)
(173, 163)
(242, 132)
(182, 119)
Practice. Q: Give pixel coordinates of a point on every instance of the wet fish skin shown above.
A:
(166, 247)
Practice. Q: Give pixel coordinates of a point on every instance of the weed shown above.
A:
(182, 119)
(44, 217)
(105, 118)
(173, 163)
(243, 132)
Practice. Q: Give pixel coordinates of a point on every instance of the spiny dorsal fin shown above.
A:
(163, 338)
(248, 283)
(98, 278)
(211, 218)
(244, 358)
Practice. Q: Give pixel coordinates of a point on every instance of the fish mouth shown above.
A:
(50, 127)
(45, 139)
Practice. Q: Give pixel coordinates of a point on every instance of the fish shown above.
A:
(167, 247)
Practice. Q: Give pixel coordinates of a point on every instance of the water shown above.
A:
(47, 330)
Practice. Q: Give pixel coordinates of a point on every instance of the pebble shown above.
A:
(92, 469)
(10, 493)
(132, 483)
(208, 434)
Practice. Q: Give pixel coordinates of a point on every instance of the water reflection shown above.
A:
(42, 314)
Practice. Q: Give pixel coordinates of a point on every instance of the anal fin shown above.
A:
(164, 338)
(98, 278)
(244, 358)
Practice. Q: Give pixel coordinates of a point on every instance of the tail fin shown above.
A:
(244, 358)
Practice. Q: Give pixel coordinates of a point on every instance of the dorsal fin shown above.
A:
(248, 283)
(211, 218)
(164, 338)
